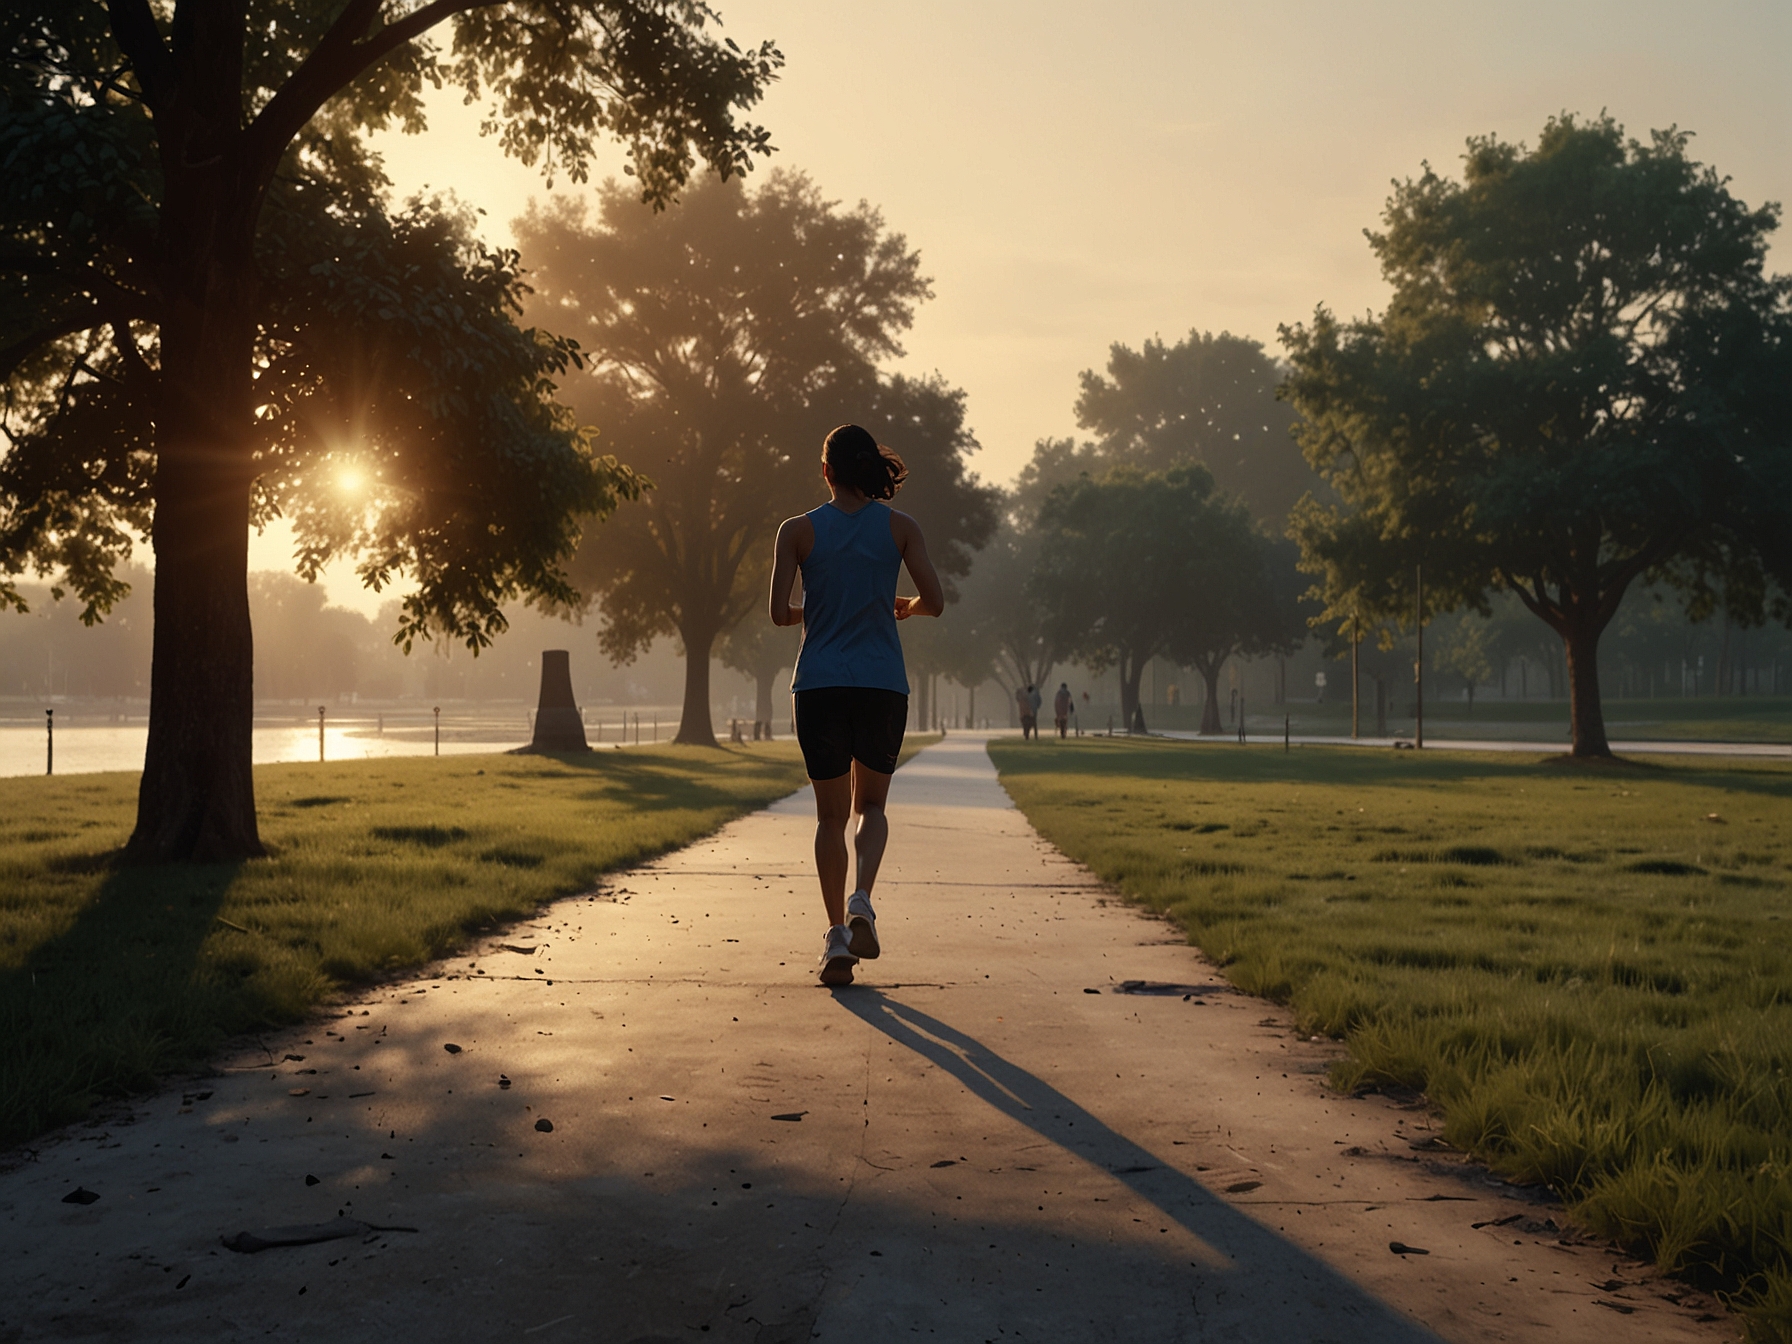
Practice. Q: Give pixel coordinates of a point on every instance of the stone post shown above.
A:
(558, 724)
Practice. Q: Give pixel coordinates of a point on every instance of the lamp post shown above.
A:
(1356, 644)
(49, 741)
(1418, 666)
(320, 734)
(438, 714)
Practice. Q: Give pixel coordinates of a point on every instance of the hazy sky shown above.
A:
(1078, 174)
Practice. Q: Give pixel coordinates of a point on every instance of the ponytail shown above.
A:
(861, 463)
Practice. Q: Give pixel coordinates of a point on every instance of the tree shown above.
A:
(761, 651)
(1465, 649)
(996, 627)
(190, 230)
(713, 332)
(1207, 399)
(1135, 564)
(957, 513)
(1583, 378)
(1244, 601)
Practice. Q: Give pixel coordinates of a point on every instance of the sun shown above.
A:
(351, 480)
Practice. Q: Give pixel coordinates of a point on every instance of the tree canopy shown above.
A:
(209, 312)
(1584, 377)
(725, 337)
(1134, 564)
(1207, 399)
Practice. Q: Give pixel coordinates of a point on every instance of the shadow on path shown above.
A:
(1282, 1279)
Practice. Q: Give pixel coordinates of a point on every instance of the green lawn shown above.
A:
(1584, 967)
(1701, 718)
(110, 976)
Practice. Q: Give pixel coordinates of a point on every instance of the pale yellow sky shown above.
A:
(1076, 174)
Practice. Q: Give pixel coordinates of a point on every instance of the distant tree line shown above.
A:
(1581, 392)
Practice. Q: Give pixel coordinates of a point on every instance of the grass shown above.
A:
(1666, 718)
(1583, 967)
(111, 976)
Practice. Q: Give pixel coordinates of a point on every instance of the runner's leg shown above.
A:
(870, 790)
(833, 806)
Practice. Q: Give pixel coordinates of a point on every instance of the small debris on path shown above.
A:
(791, 1115)
(1401, 1248)
(545, 1125)
(452, 1048)
(304, 1234)
(1164, 989)
(79, 1195)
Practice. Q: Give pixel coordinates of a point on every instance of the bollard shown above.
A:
(49, 741)
(438, 713)
(320, 734)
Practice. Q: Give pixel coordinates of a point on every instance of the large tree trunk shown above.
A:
(762, 701)
(694, 726)
(1131, 673)
(196, 799)
(1586, 715)
(1210, 709)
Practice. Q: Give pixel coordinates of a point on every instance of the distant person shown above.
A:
(1034, 700)
(1062, 703)
(850, 686)
(1023, 707)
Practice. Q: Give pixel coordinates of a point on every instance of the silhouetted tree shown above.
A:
(713, 332)
(999, 626)
(761, 651)
(194, 250)
(1135, 564)
(1243, 601)
(304, 650)
(1207, 399)
(1584, 378)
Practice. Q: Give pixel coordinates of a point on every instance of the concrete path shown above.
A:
(970, 1145)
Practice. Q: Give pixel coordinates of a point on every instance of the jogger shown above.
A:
(850, 685)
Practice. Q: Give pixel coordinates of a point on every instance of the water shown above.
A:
(84, 745)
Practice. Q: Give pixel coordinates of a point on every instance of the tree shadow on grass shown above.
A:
(120, 996)
(1285, 1279)
(656, 783)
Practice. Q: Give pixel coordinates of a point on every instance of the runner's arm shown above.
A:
(785, 565)
(932, 598)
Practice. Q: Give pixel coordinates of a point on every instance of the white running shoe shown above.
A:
(861, 927)
(837, 959)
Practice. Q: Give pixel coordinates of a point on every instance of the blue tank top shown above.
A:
(849, 602)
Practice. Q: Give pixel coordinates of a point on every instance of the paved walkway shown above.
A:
(968, 1146)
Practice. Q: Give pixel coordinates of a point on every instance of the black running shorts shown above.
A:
(837, 725)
